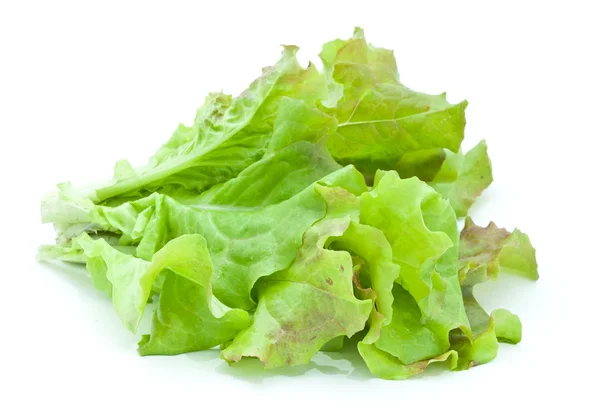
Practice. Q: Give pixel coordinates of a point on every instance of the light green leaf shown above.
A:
(302, 308)
(486, 251)
(378, 272)
(483, 253)
(462, 178)
(273, 179)
(296, 121)
(189, 318)
(334, 345)
(226, 137)
(421, 228)
(296, 157)
(483, 348)
(508, 326)
(179, 325)
(386, 366)
(381, 120)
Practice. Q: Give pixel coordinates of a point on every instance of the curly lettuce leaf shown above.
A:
(501, 326)
(227, 136)
(486, 251)
(462, 178)
(201, 323)
(376, 275)
(427, 304)
(381, 120)
(302, 308)
(508, 326)
(464, 352)
(482, 348)
(421, 228)
(386, 366)
(189, 318)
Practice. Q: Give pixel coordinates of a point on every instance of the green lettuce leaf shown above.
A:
(297, 121)
(296, 157)
(376, 275)
(226, 137)
(482, 348)
(421, 229)
(462, 178)
(188, 316)
(508, 326)
(381, 120)
(386, 366)
(484, 252)
(302, 308)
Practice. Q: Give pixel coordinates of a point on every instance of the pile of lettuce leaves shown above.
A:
(315, 206)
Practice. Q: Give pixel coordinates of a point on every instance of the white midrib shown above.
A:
(358, 123)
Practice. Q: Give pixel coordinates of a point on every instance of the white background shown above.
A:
(83, 84)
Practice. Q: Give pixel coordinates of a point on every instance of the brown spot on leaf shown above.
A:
(342, 267)
(356, 281)
(329, 281)
(313, 338)
(426, 107)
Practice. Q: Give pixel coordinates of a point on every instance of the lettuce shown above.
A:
(315, 206)
(382, 123)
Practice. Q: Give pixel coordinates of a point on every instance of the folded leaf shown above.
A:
(378, 271)
(302, 308)
(508, 326)
(483, 253)
(421, 228)
(486, 251)
(386, 366)
(188, 316)
(406, 340)
(462, 178)
(483, 348)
